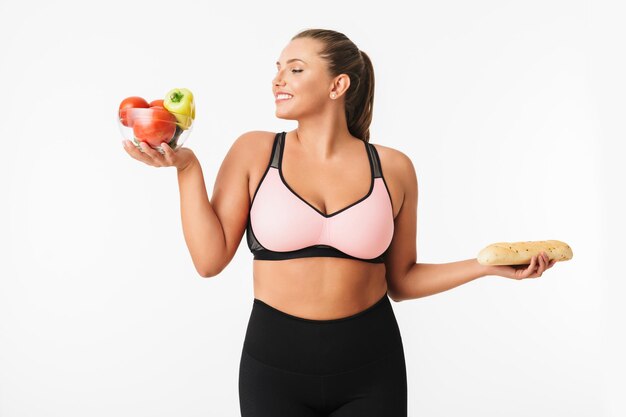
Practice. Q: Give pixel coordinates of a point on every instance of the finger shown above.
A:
(542, 264)
(533, 272)
(546, 261)
(134, 151)
(168, 153)
(539, 267)
(153, 154)
(531, 267)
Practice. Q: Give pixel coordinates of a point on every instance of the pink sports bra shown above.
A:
(282, 225)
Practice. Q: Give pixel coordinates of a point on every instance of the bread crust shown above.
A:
(520, 253)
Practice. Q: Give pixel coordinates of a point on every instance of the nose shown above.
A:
(277, 80)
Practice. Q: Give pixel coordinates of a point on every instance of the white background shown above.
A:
(511, 111)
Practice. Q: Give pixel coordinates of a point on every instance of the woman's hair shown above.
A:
(343, 57)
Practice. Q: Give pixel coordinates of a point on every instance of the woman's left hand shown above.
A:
(538, 264)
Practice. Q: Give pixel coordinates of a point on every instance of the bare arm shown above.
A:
(213, 229)
(408, 279)
(427, 279)
(203, 231)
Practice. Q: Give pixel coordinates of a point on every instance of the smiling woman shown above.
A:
(320, 225)
(338, 57)
(330, 219)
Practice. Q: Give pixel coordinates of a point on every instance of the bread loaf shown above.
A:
(519, 253)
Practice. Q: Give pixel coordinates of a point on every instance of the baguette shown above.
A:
(519, 253)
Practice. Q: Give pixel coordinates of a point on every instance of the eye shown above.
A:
(293, 70)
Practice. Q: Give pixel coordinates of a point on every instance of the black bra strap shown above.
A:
(276, 149)
(375, 161)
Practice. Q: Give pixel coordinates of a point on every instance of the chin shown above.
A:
(280, 116)
(285, 115)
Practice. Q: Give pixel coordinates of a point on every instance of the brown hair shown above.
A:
(343, 57)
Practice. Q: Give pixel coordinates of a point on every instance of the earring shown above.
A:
(333, 95)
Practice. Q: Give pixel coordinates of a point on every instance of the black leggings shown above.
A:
(296, 367)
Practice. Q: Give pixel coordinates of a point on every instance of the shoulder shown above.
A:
(394, 161)
(252, 151)
(391, 155)
(254, 140)
(399, 172)
(251, 146)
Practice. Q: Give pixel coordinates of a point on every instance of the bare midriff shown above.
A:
(319, 288)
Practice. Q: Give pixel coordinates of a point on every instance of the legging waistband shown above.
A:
(320, 347)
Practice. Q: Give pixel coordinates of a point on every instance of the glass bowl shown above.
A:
(154, 126)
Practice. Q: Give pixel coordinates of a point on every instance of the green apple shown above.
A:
(179, 101)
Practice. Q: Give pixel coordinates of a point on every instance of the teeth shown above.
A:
(283, 96)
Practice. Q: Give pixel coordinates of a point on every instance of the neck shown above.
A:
(323, 136)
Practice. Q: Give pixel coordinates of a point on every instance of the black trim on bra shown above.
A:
(253, 244)
(311, 251)
(281, 149)
(380, 170)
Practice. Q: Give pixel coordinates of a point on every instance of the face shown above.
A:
(307, 80)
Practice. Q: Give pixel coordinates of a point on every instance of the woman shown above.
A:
(331, 237)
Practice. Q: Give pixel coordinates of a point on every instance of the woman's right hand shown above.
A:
(180, 158)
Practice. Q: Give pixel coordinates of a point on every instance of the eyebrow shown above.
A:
(291, 60)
